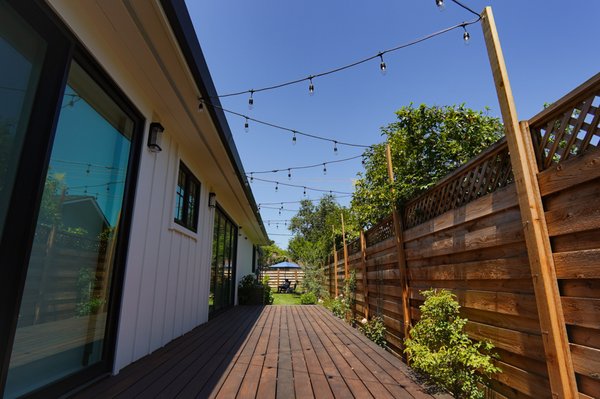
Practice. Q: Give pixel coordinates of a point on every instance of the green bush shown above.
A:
(308, 298)
(268, 296)
(250, 291)
(374, 329)
(339, 307)
(440, 348)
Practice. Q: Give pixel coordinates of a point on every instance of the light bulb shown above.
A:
(324, 169)
(305, 191)
(246, 126)
(440, 4)
(276, 186)
(201, 106)
(251, 178)
(289, 174)
(311, 87)
(294, 139)
(382, 66)
(251, 100)
(466, 36)
(335, 150)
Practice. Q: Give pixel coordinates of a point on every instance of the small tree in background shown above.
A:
(427, 143)
(439, 348)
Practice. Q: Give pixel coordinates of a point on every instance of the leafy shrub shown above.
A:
(250, 291)
(268, 294)
(308, 298)
(374, 329)
(440, 348)
(338, 307)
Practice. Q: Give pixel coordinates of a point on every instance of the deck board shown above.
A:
(265, 352)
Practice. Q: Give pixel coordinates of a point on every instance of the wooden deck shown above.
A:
(265, 352)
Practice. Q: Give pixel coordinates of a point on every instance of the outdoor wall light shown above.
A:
(154, 136)
(212, 200)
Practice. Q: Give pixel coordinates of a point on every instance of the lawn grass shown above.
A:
(286, 299)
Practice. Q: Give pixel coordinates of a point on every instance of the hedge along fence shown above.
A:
(466, 234)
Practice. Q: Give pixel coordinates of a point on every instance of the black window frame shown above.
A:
(15, 248)
(190, 179)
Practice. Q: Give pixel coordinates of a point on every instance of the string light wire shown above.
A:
(317, 165)
(277, 183)
(378, 55)
(293, 131)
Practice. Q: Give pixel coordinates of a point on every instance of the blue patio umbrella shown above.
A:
(285, 266)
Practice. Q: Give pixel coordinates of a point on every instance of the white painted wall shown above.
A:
(244, 259)
(168, 270)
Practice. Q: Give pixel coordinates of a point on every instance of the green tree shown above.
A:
(314, 227)
(426, 144)
(272, 254)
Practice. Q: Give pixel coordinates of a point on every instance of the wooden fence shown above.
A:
(277, 276)
(467, 234)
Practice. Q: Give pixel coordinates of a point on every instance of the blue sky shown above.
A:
(549, 46)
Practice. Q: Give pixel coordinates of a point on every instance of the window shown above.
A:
(186, 199)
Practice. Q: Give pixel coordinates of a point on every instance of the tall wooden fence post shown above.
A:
(335, 270)
(399, 237)
(365, 278)
(346, 270)
(552, 323)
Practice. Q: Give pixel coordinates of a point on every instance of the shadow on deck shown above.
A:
(265, 352)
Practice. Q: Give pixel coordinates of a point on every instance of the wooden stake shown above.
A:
(363, 249)
(552, 323)
(398, 230)
(335, 265)
(346, 271)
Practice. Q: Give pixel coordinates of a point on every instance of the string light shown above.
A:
(294, 139)
(276, 186)
(317, 165)
(324, 169)
(246, 126)
(335, 150)
(382, 66)
(200, 105)
(296, 131)
(280, 209)
(361, 61)
(298, 202)
(278, 183)
(289, 174)
(251, 177)
(251, 100)
(305, 191)
(466, 35)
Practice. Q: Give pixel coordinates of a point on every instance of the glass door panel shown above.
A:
(223, 265)
(22, 53)
(62, 319)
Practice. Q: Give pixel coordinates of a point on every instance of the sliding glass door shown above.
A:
(222, 282)
(61, 327)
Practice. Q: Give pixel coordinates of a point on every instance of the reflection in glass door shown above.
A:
(222, 279)
(61, 327)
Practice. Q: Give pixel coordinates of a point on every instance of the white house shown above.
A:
(168, 225)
